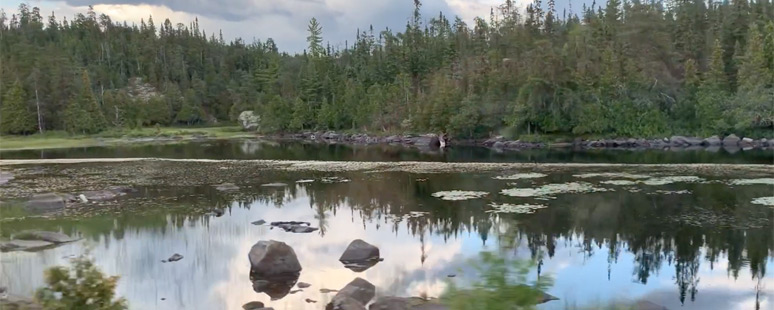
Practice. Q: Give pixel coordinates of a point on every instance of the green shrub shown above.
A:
(81, 287)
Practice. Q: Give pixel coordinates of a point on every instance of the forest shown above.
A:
(631, 69)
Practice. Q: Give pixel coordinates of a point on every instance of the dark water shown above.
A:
(252, 149)
(708, 248)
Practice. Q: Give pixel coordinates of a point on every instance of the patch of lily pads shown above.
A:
(766, 201)
(761, 181)
(519, 176)
(515, 208)
(620, 175)
(672, 179)
(459, 195)
(549, 190)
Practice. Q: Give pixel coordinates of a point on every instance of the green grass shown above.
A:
(60, 139)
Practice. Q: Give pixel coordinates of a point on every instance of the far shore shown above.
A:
(58, 140)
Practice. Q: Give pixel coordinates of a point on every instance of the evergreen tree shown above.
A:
(15, 115)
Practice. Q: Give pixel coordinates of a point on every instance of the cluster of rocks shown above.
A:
(275, 269)
(427, 140)
(730, 142)
(501, 143)
(55, 202)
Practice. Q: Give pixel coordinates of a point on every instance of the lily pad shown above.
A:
(459, 195)
(766, 201)
(672, 179)
(520, 176)
(553, 189)
(515, 208)
(763, 181)
(618, 182)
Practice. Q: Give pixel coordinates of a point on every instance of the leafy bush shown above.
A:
(81, 287)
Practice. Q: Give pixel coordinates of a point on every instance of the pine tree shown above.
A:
(754, 103)
(315, 38)
(15, 115)
(191, 111)
(83, 114)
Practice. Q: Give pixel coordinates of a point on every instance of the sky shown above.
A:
(283, 20)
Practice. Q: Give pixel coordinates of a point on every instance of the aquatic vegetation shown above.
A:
(459, 195)
(622, 175)
(519, 176)
(762, 181)
(672, 179)
(553, 189)
(766, 201)
(515, 208)
(663, 192)
(618, 182)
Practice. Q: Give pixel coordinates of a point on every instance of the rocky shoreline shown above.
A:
(730, 143)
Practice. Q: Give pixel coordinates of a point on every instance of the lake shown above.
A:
(607, 226)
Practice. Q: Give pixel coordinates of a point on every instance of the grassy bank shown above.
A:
(59, 139)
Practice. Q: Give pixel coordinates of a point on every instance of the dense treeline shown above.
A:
(627, 69)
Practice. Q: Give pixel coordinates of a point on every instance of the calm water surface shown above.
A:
(255, 149)
(707, 248)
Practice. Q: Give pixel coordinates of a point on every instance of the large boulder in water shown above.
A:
(712, 141)
(355, 295)
(270, 258)
(249, 120)
(359, 251)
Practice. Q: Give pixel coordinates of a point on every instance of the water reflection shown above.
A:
(629, 245)
(259, 149)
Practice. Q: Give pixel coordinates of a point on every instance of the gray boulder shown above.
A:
(731, 140)
(249, 120)
(48, 236)
(684, 141)
(271, 258)
(355, 295)
(499, 145)
(712, 141)
(359, 251)
(429, 140)
(746, 142)
(49, 202)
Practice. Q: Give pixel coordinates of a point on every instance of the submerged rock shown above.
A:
(227, 187)
(258, 222)
(175, 257)
(272, 257)
(253, 305)
(48, 236)
(294, 227)
(303, 285)
(49, 202)
(275, 286)
(26, 245)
